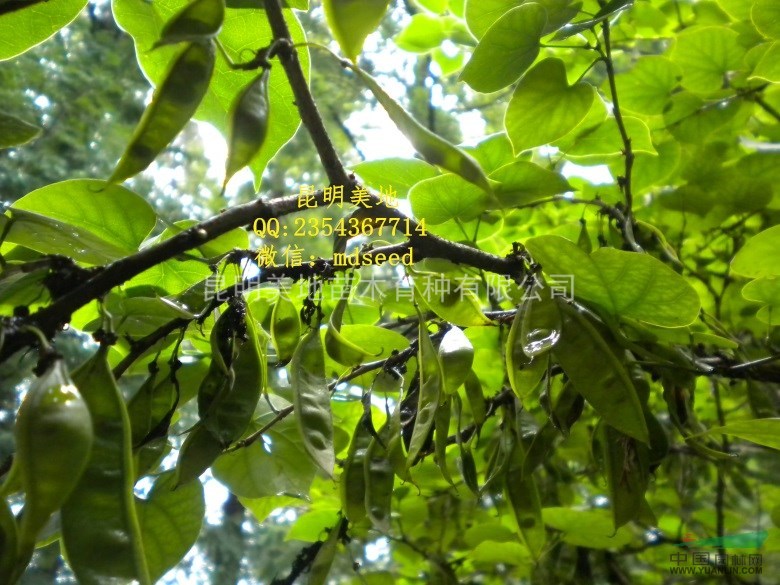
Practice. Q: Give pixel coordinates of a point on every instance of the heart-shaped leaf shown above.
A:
(545, 107)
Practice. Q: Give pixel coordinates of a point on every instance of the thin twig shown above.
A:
(628, 152)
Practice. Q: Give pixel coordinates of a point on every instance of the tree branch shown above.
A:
(310, 115)
(52, 317)
(628, 152)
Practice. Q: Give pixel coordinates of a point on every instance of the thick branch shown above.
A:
(310, 115)
(51, 318)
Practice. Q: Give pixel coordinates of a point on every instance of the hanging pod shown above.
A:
(173, 104)
(54, 438)
(233, 396)
(197, 20)
(431, 388)
(248, 124)
(311, 400)
(379, 478)
(9, 542)
(352, 482)
(338, 347)
(524, 372)
(432, 147)
(100, 530)
(285, 328)
(523, 495)
(625, 463)
(323, 561)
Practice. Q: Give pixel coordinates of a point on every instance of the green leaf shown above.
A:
(448, 64)
(559, 12)
(16, 132)
(459, 306)
(433, 148)
(261, 508)
(351, 21)
(524, 182)
(144, 21)
(142, 315)
(760, 256)
(606, 139)
(624, 284)
(437, 6)
(278, 464)
(219, 246)
(424, 33)
(85, 219)
(766, 18)
(310, 526)
(490, 553)
(399, 173)
(493, 152)
(21, 30)
(507, 49)
(651, 170)
(541, 323)
(544, 107)
(172, 276)
(762, 431)
(598, 374)
(768, 67)
(706, 55)
(586, 528)
(446, 197)
(765, 290)
(378, 341)
(646, 88)
(606, 11)
(482, 14)
(170, 521)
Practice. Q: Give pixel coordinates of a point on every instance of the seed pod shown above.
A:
(379, 479)
(431, 382)
(172, 106)
(338, 347)
(352, 482)
(311, 399)
(249, 124)
(320, 567)
(53, 442)
(456, 355)
(285, 329)
(197, 20)
(441, 434)
(9, 537)
(231, 411)
(100, 530)
(523, 495)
